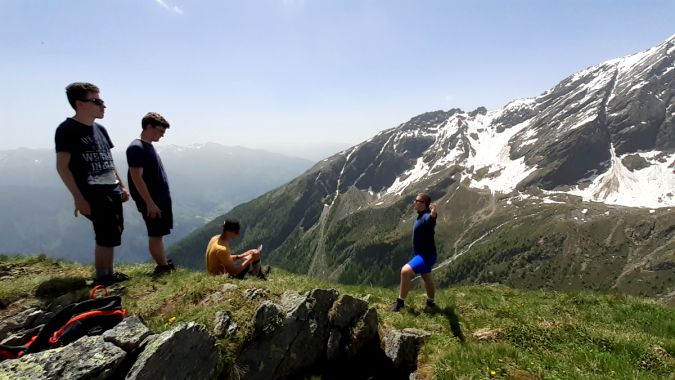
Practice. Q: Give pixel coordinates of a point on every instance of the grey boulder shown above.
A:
(402, 347)
(87, 358)
(128, 334)
(184, 352)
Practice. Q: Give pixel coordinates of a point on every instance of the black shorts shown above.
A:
(161, 226)
(243, 273)
(105, 202)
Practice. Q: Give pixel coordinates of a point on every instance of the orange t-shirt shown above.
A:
(217, 256)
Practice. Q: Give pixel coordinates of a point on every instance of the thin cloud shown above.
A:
(171, 8)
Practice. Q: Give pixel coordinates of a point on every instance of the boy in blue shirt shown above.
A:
(424, 252)
(149, 187)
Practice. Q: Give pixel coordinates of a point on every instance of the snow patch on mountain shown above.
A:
(342, 172)
(492, 150)
(411, 176)
(506, 177)
(653, 186)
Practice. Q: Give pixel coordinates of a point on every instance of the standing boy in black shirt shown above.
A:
(150, 187)
(86, 167)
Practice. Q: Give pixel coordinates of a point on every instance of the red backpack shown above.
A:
(90, 317)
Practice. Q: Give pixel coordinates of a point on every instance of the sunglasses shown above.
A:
(418, 201)
(98, 102)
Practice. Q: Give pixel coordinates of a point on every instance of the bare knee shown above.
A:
(407, 271)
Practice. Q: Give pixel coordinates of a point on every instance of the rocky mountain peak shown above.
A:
(572, 138)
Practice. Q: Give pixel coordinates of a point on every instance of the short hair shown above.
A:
(154, 119)
(426, 198)
(78, 91)
(231, 225)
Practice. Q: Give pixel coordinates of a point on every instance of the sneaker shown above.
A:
(264, 271)
(431, 305)
(110, 279)
(119, 276)
(397, 306)
(164, 269)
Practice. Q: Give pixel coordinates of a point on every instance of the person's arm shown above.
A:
(432, 207)
(235, 269)
(81, 204)
(254, 253)
(137, 176)
(248, 257)
(125, 192)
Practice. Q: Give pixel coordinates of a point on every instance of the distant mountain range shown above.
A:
(206, 180)
(572, 189)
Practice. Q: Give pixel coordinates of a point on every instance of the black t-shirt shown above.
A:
(89, 146)
(141, 154)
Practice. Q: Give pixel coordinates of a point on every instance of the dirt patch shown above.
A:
(487, 334)
(519, 374)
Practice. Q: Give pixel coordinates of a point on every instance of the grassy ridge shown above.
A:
(528, 334)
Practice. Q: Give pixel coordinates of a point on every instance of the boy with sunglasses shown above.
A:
(85, 164)
(424, 252)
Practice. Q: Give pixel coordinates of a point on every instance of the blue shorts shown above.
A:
(422, 264)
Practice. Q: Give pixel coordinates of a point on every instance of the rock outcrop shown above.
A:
(222, 323)
(320, 332)
(26, 319)
(128, 334)
(402, 347)
(184, 352)
(87, 358)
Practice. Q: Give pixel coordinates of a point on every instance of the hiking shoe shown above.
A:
(397, 306)
(431, 306)
(119, 276)
(264, 271)
(164, 269)
(110, 279)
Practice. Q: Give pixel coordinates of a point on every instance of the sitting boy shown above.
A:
(219, 257)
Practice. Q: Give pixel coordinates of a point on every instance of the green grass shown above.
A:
(539, 335)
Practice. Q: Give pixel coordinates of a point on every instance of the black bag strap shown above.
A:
(41, 340)
(10, 352)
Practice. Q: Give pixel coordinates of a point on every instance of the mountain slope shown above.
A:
(533, 194)
(206, 180)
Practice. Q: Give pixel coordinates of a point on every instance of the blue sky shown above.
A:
(293, 75)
